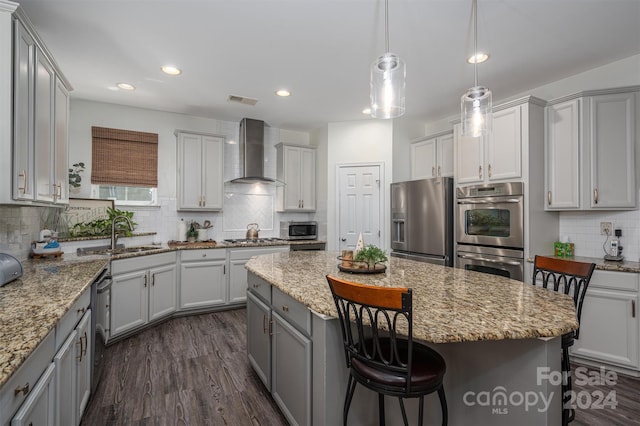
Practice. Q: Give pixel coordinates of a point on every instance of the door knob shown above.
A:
(343, 239)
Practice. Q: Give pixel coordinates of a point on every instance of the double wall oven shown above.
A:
(490, 229)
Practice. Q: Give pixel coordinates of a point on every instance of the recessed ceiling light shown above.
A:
(126, 86)
(171, 70)
(283, 92)
(478, 58)
(366, 111)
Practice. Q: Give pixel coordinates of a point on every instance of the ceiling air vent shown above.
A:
(242, 100)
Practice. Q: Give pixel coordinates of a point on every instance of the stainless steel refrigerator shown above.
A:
(422, 220)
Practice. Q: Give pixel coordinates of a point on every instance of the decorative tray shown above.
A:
(360, 267)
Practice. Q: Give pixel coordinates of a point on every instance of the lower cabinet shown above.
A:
(39, 408)
(144, 289)
(259, 337)
(609, 325)
(238, 257)
(202, 278)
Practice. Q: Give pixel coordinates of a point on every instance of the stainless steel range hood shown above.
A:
(251, 146)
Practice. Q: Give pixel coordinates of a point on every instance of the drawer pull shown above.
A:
(256, 285)
(285, 308)
(145, 281)
(24, 390)
(82, 310)
(549, 197)
(264, 324)
(204, 255)
(633, 309)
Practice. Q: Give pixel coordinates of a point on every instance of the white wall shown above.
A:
(369, 141)
(404, 131)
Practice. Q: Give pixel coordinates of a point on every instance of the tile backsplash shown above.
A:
(19, 226)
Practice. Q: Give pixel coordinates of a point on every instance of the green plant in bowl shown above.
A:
(371, 255)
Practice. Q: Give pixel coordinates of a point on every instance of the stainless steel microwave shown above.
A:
(299, 230)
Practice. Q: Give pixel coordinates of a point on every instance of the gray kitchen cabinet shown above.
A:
(432, 156)
(609, 324)
(199, 171)
(39, 408)
(143, 290)
(590, 145)
(296, 167)
(259, 337)
(202, 278)
(238, 257)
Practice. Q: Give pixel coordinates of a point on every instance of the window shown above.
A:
(124, 166)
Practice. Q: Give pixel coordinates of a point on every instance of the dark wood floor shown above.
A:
(194, 371)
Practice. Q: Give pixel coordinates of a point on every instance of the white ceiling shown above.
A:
(321, 51)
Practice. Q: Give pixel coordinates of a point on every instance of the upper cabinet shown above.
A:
(590, 150)
(497, 157)
(296, 168)
(199, 171)
(35, 154)
(432, 156)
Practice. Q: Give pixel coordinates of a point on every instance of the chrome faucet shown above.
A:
(114, 234)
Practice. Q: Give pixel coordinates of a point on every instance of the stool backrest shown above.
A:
(566, 276)
(376, 324)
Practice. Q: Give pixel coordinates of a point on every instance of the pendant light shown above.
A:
(476, 102)
(388, 74)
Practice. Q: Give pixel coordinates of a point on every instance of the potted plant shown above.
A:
(371, 255)
(192, 233)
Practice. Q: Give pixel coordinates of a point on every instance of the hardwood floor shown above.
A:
(186, 371)
(194, 371)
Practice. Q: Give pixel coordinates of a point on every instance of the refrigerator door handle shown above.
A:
(483, 259)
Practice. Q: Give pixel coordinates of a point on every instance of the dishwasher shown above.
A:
(100, 300)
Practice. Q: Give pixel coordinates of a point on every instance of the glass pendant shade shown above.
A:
(476, 112)
(388, 74)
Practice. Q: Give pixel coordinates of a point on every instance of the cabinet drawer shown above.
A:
(139, 263)
(248, 253)
(292, 310)
(71, 318)
(203, 254)
(259, 287)
(27, 374)
(624, 281)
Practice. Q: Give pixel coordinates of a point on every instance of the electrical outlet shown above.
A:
(605, 228)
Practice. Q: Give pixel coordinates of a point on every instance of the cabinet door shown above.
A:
(292, 178)
(291, 371)
(212, 179)
(65, 362)
(259, 338)
(202, 284)
(45, 78)
(84, 355)
(612, 140)
(445, 155)
(469, 158)
(562, 156)
(424, 159)
(189, 171)
(237, 281)
(308, 179)
(23, 147)
(129, 305)
(39, 407)
(162, 292)
(504, 151)
(609, 327)
(61, 155)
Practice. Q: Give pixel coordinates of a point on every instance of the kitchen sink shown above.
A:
(108, 251)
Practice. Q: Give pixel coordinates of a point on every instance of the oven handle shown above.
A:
(511, 200)
(502, 262)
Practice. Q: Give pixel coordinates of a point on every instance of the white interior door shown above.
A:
(359, 205)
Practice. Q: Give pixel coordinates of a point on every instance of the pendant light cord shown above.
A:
(475, 41)
(386, 25)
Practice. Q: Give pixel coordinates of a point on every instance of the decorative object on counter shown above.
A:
(613, 251)
(182, 231)
(10, 269)
(252, 231)
(347, 258)
(366, 261)
(203, 234)
(563, 249)
(101, 226)
(74, 174)
(192, 232)
(359, 245)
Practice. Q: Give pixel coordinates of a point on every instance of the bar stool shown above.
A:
(572, 278)
(376, 324)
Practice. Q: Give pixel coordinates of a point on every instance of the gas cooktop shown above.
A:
(254, 240)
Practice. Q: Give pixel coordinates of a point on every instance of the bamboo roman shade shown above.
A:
(124, 157)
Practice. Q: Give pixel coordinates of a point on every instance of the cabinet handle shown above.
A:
(204, 255)
(23, 174)
(439, 171)
(480, 172)
(59, 190)
(256, 285)
(153, 279)
(549, 197)
(55, 192)
(303, 204)
(204, 201)
(270, 327)
(24, 390)
(595, 195)
(86, 344)
(285, 308)
(264, 324)
(82, 310)
(145, 281)
(489, 170)
(224, 269)
(633, 309)
(79, 356)
(433, 170)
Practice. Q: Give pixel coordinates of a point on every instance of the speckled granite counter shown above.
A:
(450, 305)
(605, 265)
(31, 307)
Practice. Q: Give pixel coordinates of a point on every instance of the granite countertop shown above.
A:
(450, 304)
(30, 307)
(601, 264)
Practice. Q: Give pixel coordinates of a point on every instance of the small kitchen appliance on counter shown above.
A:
(10, 269)
(299, 230)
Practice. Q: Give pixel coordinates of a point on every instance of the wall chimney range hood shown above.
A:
(251, 147)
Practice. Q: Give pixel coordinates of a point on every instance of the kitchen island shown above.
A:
(499, 337)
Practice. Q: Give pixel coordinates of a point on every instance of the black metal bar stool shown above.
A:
(376, 324)
(572, 278)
